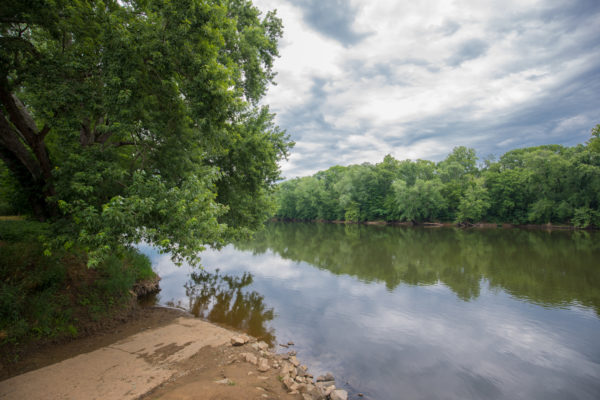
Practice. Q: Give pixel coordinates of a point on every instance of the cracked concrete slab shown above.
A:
(126, 369)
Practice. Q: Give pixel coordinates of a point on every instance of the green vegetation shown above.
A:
(121, 122)
(56, 296)
(128, 121)
(539, 185)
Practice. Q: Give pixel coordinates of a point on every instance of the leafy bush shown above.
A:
(45, 296)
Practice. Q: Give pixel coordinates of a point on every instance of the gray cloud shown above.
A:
(535, 80)
(468, 50)
(332, 18)
(448, 28)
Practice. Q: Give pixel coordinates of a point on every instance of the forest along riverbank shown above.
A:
(168, 354)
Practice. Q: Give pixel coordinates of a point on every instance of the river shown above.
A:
(412, 313)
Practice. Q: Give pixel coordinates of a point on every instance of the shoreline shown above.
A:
(231, 365)
(478, 225)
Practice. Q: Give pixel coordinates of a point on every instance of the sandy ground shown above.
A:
(166, 355)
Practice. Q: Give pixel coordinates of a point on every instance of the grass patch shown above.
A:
(12, 218)
(47, 297)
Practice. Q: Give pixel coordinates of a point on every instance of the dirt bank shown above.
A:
(160, 353)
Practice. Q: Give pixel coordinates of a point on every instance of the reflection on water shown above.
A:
(399, 312)
(219, 298)
(557, 268)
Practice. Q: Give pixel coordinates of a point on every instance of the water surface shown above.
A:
(412, 313)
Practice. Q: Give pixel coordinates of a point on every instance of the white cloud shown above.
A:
(430, 75)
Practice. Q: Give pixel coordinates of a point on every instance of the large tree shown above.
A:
(126, 121)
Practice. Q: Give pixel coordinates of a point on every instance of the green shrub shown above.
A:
(45, 296)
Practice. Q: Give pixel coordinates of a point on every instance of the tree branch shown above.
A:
(9, 139)
(44, 132)
(119, 144)
(19, 116)
(25, 125)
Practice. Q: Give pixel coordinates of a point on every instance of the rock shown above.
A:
(262, 345)
(292, 353)
(299, 379)
(327, 377)
(286, 368)
(326, 384)
(302, 387)
(306, 396)
(225, 381)
(283, 345)
(290, 343)
(360, 395)
(338, 394)
(263, 365)
(140, 289)
(239, 340)
(294, 361)
(288, 382)
(249, 357)
(293, 392)
(321, 392)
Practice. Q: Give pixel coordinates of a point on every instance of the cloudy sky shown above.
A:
(360, 79)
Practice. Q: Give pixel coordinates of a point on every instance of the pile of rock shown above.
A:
(294, 377)
(297, 380)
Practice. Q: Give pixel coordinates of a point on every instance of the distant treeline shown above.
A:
(538, 185)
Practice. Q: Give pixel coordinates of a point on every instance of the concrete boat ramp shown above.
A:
(126, 369)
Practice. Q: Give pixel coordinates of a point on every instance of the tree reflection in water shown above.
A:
(220, 298)
(558, 268)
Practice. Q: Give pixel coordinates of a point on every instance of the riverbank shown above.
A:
(167, 354)
(479, 225)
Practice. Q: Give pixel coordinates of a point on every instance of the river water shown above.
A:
(412, 313)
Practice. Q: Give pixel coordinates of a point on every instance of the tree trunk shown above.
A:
(23, 150)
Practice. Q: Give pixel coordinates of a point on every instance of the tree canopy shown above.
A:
(128, 121)
(543, 184)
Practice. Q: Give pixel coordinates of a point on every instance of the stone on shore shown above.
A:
(262, 346)
(339, 394)
(327, 377)
(263, 365)
(288, 382)
(249, 357)
(325, 383)
(239, 340)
